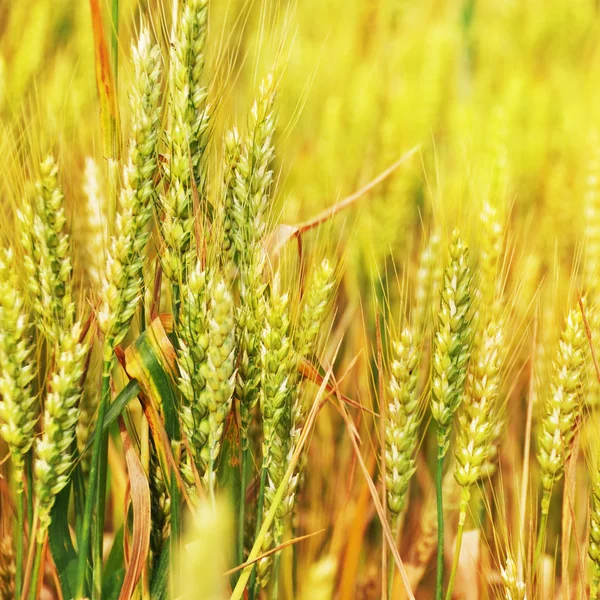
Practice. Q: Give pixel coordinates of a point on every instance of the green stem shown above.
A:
(175, 535)
(35, 574)
(19, 534)
(78, 496)
(395, 525)
(539, 546)
(439, 475)
(91, 497)
(210, 477)
(464, 503)
(595, 583)
(115, 40)
(276, 565)
(259, 514)
(98, 540)
(174, 488)
(176, 301)
(242, 505)
(29, 475)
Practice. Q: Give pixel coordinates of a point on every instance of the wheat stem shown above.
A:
(92, 482)
(29, 475)
(439, 477)
(19, 534)
(175, 535)
(115, 48)
(35, 573)
(242, 500)
(595, 583)
(395, 526)
(462, 517)
(259, 513)
(276, 565)
(539, 545)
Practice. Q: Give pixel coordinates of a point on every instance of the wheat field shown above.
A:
(299, 299)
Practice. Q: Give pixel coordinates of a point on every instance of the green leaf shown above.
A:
(117, 406)
(160, 577)
(151, 361)
(61, 545)
(114, 571)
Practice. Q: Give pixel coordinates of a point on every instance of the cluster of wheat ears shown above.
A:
(188, 363)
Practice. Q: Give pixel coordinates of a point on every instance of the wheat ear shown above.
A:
(187, 139)
(18, 404)
(275, 408)
(47, 253)
(450, 360)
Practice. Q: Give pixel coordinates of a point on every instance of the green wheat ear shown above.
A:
(277, 368)
(219, 371)
(18, 403)
(193, 342)
(122, 279)
(479, 411)
(402, 424)
(47, 253)
(54, 449)
(187, 139)
(250, 189)
(452, 341)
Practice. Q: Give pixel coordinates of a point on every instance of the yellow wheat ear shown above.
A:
(562, 410)
(452, 341)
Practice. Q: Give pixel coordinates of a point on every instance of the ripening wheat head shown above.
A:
(122, 282)
(18, 403)
(452, 340)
